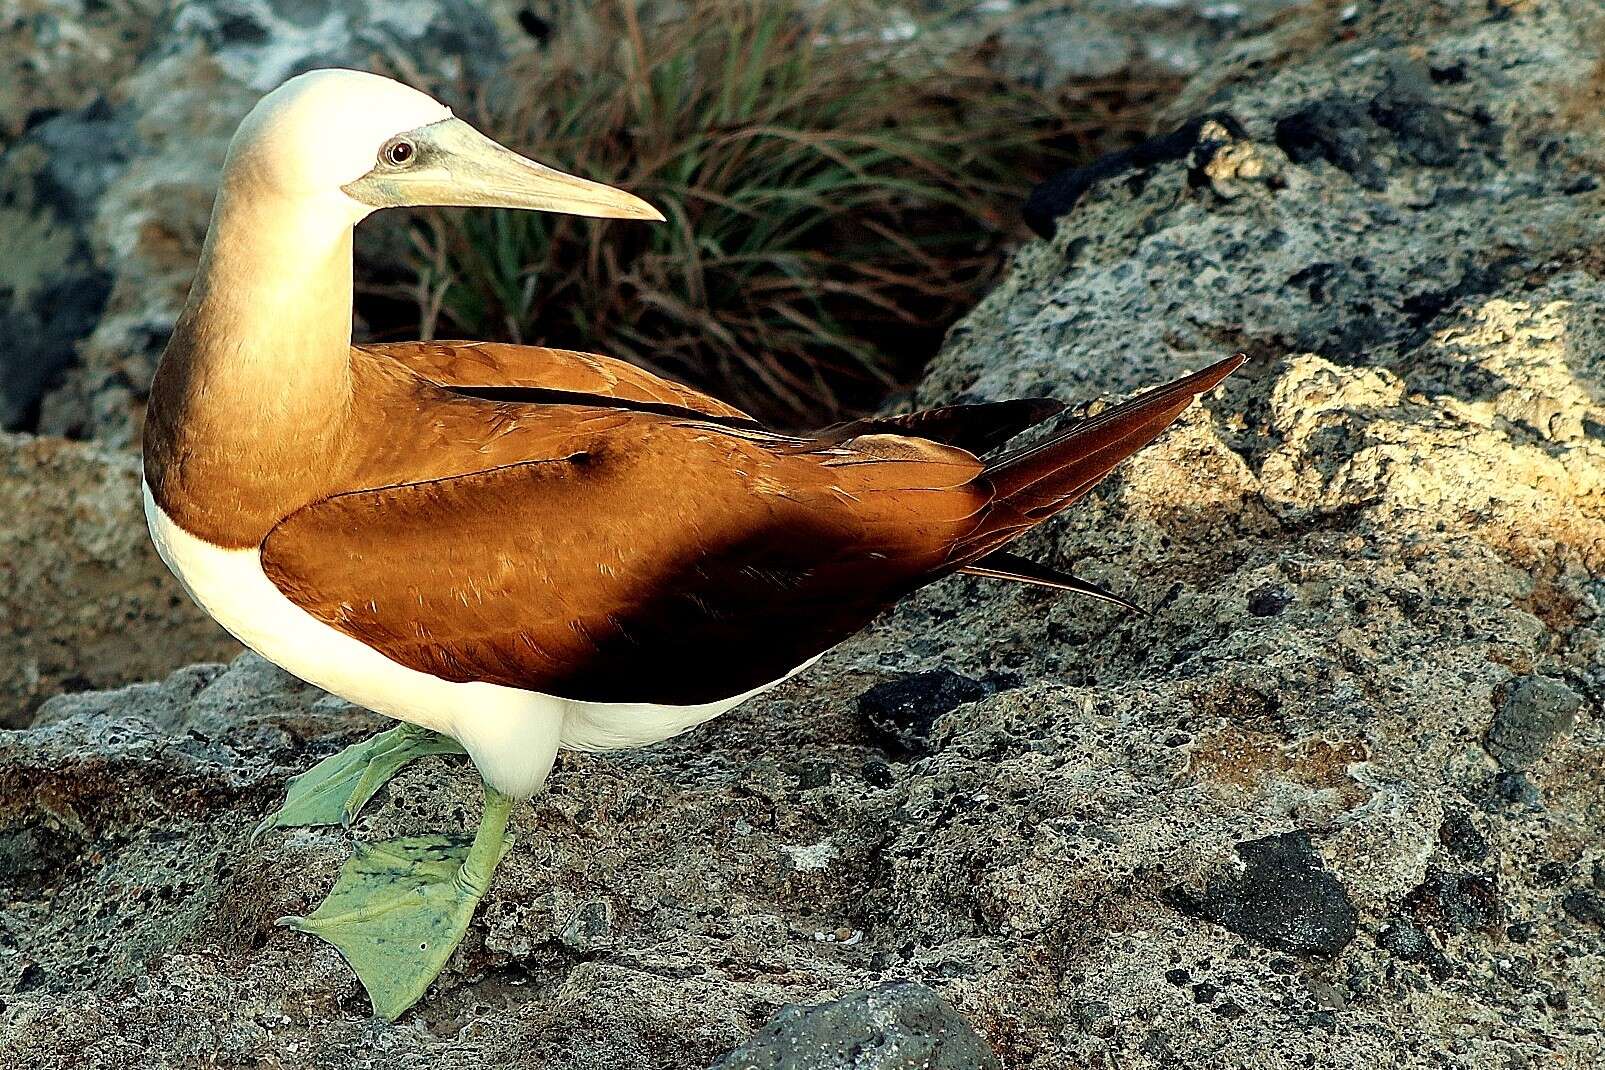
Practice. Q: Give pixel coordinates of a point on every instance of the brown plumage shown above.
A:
(606, 553)
(556, 522)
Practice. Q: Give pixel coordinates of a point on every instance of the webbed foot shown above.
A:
(336, 789)
(400, 907)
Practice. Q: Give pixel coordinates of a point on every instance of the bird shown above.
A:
(512, 549)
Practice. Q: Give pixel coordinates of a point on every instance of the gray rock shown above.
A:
(902, 712)
(1536, 712)
(105, 273)
(897, 1026)
(1052, 44)
(51, 289)
(84, 600)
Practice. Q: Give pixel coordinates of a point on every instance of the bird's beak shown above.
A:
(452, 164)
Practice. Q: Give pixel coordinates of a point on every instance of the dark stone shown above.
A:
(535, 26)
(1405, 939)
(1521, 931)
(896, 1026)
(589, 930)
(1269, 600)
(1422, 309)
(1553, 874)
(41, 338)
(878, 774)
(242, 29)
(58, 170)
(901, 713)
(1406, 110)
(1336, 131)
(1058, 195)
(1461, 838)
(1455, 903)
(1585, 906)
(1513, 788)
(1536, 711)
(1283, 898)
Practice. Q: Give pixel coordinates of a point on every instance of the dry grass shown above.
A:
(836, 197)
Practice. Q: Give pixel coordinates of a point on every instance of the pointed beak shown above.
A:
(452, 164)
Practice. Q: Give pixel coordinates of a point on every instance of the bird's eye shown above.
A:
(399, 152)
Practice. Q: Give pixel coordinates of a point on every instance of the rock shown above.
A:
(52, 290)
(1354, 554)
(1089, 39)
(1460, 835)
(84, 600)
(898, 1026)
(903, 712)
(117, 264)
(1536, 712)
(1283, 898)
(1585, 906)
(60, 55)
(1455, 902)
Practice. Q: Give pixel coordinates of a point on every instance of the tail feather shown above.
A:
(1070, 463)
(1001, 565)
(977, 427)
(1031, 484)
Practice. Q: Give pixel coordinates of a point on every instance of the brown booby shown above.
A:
(513, 549)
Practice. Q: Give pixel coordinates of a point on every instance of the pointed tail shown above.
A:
(1032, 483)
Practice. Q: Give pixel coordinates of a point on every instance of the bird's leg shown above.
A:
(337, 788)
(400, 907)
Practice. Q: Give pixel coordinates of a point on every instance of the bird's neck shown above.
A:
(252, 393)
(271, 303)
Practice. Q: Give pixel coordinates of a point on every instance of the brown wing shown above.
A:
(670, 562)
(497, 366)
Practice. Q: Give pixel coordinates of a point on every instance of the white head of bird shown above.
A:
(353, 142)
(310, 161)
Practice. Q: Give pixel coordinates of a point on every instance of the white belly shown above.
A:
(512, 734)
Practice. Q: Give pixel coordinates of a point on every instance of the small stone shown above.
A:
(1269, 600)
(1454, 902)
(1461, 838)
(1584, 906)
(896, 1026)
(590, 929)
(1283, 898)
(902, 713)
(1537, 711)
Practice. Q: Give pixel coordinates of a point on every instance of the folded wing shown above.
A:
(674, 563)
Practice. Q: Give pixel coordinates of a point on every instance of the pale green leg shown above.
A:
(337, 788)
(400, 907)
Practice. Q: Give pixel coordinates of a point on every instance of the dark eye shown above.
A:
(398, 152)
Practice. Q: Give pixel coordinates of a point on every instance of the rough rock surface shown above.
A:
(1331, 805)
(146, 96)
(896, 1026)
(1053, 43)
(84, 600)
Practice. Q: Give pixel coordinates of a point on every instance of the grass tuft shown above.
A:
(838, 191)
